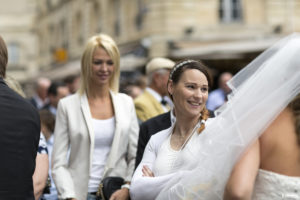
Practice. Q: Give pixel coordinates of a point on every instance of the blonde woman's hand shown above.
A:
(147, 172)
(121, 194)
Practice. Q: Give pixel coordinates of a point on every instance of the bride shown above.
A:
(169, 150)
(261, 93)
(270, 169)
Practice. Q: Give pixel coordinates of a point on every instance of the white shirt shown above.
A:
(39, 102)
(169, 160)
(53, 110)
(104, 134)
(163, 167)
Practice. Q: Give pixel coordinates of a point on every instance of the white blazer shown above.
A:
(74, 129)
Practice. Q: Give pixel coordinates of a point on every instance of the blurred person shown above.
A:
(270, 169)
(218, 97)
(171, 150)
(47, 124)
(19, 139)
(134, 91)
(98, 125)
(141, 81)
(56, 91)
(40, 174)
(40, 98)
(73, 82)
(153, 101)
(47, 129)
(131, 88)
(41, 163)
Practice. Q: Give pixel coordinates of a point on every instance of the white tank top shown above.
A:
(104, 134)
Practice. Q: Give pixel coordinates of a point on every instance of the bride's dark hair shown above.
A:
(294, 105)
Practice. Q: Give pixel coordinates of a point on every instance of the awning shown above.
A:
(221, 50)
(60, 72)
(132, 62)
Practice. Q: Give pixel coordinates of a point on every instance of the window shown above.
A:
(95, 19)
(77, 29)
(49, 5)
(63, 36)
(13, 53)
(142, 10)
(117, 24)
(230, 11)
(51, 37)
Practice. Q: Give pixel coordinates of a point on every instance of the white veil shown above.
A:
(259, 92)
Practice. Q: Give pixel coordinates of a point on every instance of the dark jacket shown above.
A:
(19, 138)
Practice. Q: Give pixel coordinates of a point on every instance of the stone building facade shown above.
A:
(16, 28)
(226, 34)
(219, 31)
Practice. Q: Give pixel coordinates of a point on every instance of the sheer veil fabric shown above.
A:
(259, 92)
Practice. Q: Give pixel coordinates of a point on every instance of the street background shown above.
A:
(46, 37)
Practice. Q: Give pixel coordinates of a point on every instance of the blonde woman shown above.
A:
(97, 125)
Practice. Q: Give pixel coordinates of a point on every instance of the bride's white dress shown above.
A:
(273, 186)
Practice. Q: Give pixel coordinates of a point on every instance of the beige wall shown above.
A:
(16, 27)
(162, 22)
(40, 28)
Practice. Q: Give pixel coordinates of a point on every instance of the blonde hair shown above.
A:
(14, 85)
(108, 44)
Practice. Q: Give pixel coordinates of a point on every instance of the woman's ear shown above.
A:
(170, 87)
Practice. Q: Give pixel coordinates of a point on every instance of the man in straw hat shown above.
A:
(153, 101)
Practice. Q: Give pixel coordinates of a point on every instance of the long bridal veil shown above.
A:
(259, 92)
